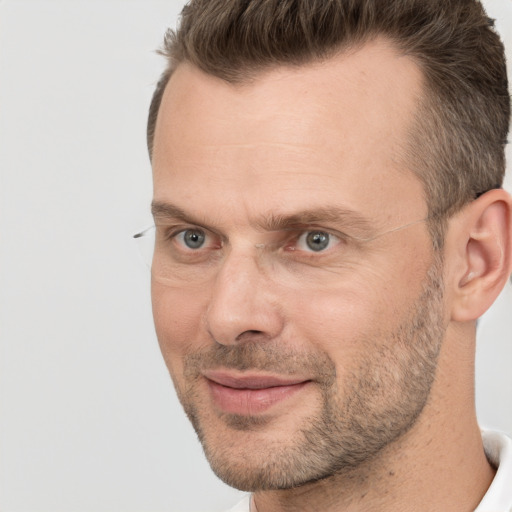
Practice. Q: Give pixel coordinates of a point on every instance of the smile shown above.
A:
(250, 394)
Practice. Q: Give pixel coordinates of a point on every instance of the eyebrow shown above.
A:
(328, 214)
(161, 210)
(274, 221)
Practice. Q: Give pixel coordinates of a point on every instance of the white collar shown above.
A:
(498, 449)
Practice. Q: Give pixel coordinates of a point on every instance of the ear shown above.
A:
(483, 248)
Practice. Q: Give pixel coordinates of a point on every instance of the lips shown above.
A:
(250, 394)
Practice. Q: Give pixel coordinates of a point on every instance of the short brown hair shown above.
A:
(457, 145)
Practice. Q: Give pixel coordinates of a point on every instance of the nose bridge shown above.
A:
(241, 299)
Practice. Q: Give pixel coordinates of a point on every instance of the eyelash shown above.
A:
(290, 244)
(334, 240)
(172, 235)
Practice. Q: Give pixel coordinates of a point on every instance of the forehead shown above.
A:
(337, 127)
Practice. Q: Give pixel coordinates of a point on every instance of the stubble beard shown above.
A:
(380, 401)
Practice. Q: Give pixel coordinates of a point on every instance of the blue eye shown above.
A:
(192, 238)
(316, 241)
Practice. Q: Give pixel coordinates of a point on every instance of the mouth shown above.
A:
(250, 394)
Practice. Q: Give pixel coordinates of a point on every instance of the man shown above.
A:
(330, 225)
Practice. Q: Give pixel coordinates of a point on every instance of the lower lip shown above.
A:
(249, 402)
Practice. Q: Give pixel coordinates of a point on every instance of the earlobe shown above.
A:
(485, 246)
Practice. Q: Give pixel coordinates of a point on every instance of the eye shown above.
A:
(192, 238)
(316, 241)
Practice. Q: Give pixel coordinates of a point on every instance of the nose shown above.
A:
(243, 304)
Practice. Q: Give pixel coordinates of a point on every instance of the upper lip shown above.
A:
(251, 381)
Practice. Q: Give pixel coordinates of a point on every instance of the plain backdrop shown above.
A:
(88, 417)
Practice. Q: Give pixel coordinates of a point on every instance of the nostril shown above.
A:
(249, 334)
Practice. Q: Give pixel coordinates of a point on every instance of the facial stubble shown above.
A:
(379, 401)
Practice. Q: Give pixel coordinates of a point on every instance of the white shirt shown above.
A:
(498, 448)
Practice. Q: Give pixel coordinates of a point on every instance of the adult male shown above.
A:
(329, 227)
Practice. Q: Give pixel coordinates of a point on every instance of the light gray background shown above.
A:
(88, 417)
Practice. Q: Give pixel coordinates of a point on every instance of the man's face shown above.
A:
(301, 329)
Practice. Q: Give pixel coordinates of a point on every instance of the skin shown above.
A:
(348, 323)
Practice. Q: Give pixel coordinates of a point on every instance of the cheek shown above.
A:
(337, 321)
(178, 316)
(357, 317)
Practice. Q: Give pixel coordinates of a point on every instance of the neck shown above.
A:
(439, 464)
